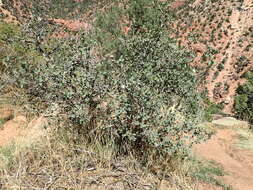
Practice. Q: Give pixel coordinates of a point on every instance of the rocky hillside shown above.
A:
(221, 35)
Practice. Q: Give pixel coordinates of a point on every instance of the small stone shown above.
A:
(227, 101)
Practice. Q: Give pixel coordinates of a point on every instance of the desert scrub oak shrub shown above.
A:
(143, 99)
(243, 105)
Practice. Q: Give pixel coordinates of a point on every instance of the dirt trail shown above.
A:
(238, 163)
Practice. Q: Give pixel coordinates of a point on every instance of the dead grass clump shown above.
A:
(63, 160)
(245, 139)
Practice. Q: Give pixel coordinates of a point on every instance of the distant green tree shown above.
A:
(244, 100)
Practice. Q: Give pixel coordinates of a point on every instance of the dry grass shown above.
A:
(245, 139)
(206, 172)
(64, 161)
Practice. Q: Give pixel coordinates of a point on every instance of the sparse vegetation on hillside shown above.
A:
(229, 33)
(67, 9)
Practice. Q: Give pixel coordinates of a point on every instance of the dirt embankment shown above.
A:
(15, 128)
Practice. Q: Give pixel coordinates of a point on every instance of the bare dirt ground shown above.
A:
(15, 128)
(237, 162)
(11, 130)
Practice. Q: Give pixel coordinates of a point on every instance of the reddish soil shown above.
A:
(238, 163)
(177, 4)
(8, 17)
(73, 25)
(11, 130)
(14, 127)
